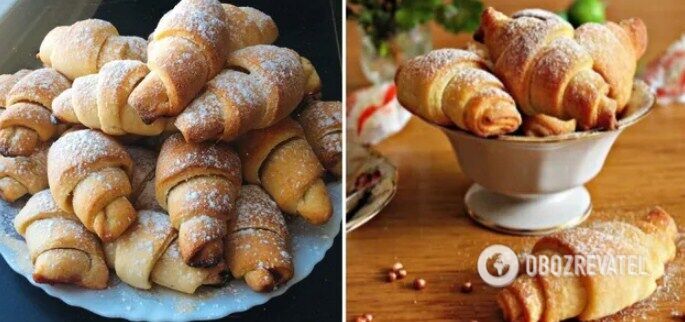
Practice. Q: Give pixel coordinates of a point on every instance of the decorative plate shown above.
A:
(371, 184)
(309, 245)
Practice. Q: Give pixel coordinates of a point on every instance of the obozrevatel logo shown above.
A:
(498, 265)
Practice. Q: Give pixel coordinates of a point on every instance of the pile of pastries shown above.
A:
(535, 75)
(168, 162)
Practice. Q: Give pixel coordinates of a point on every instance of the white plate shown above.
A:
(309, 245)
(364, 160)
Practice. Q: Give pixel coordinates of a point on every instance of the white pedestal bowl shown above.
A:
(532, 186)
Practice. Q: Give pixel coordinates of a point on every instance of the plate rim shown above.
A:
(116, 311)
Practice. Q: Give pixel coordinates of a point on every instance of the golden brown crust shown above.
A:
(84, 47)
(541, 125)
(257, 247)
(23, 127)
(23, 175)
(614, 54)
(40, 87)
(593, 296)
(263, 84)
(89, 174)
(551, 69)
(198, 183)
(255, 147)
(312, 87)
(227, 109)
(281, 71)
(248, 27)
(454, 87)
(161, 262)
(99, 101)
(27, 120)
(636, 32)
(280, 159)
(7, 81)
(322, 125)
(61, 249)
(188, 48)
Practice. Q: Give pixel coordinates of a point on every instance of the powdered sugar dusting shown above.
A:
(273, 65)
(205, 229)
(79, 149)
(257, 210)
(203, 20)
(309, 244)
(40, 86)
(155, 223)
(215, 156)
(116, 72)
(322, 115)
(669, 292)
(240, 89)
(418, 67)
(30, 171)
(43, 201)
(332, 143)
(262, 20)
(206, 109)
(213, 199)
(80, 36)
(8, 81)
(137, 48)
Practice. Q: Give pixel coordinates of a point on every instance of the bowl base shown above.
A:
(528, 216)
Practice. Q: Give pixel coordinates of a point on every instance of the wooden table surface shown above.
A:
(425, 226)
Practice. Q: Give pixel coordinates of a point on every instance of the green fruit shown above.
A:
(582, 11)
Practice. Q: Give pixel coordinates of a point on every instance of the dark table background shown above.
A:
(311, 27)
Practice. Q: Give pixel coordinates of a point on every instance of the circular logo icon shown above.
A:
(498, 265)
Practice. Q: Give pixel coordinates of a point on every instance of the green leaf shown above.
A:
(411, 13)
(365, 17)
(405, 19)
(460, 15)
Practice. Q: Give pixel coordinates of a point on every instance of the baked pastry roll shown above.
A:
(21, 175)
(593, 296)
(262, 85)
(87, 45)
(7, 81)
(550, 68)
(160, 260)
(542, 125)
(60, 248)
(99, 101)
(248, 27)
(454, 87)
(89, 175)
(257, 247)
(322, 125)
(27, 120)
(282, 162)
(187, 49)
(198, 183)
